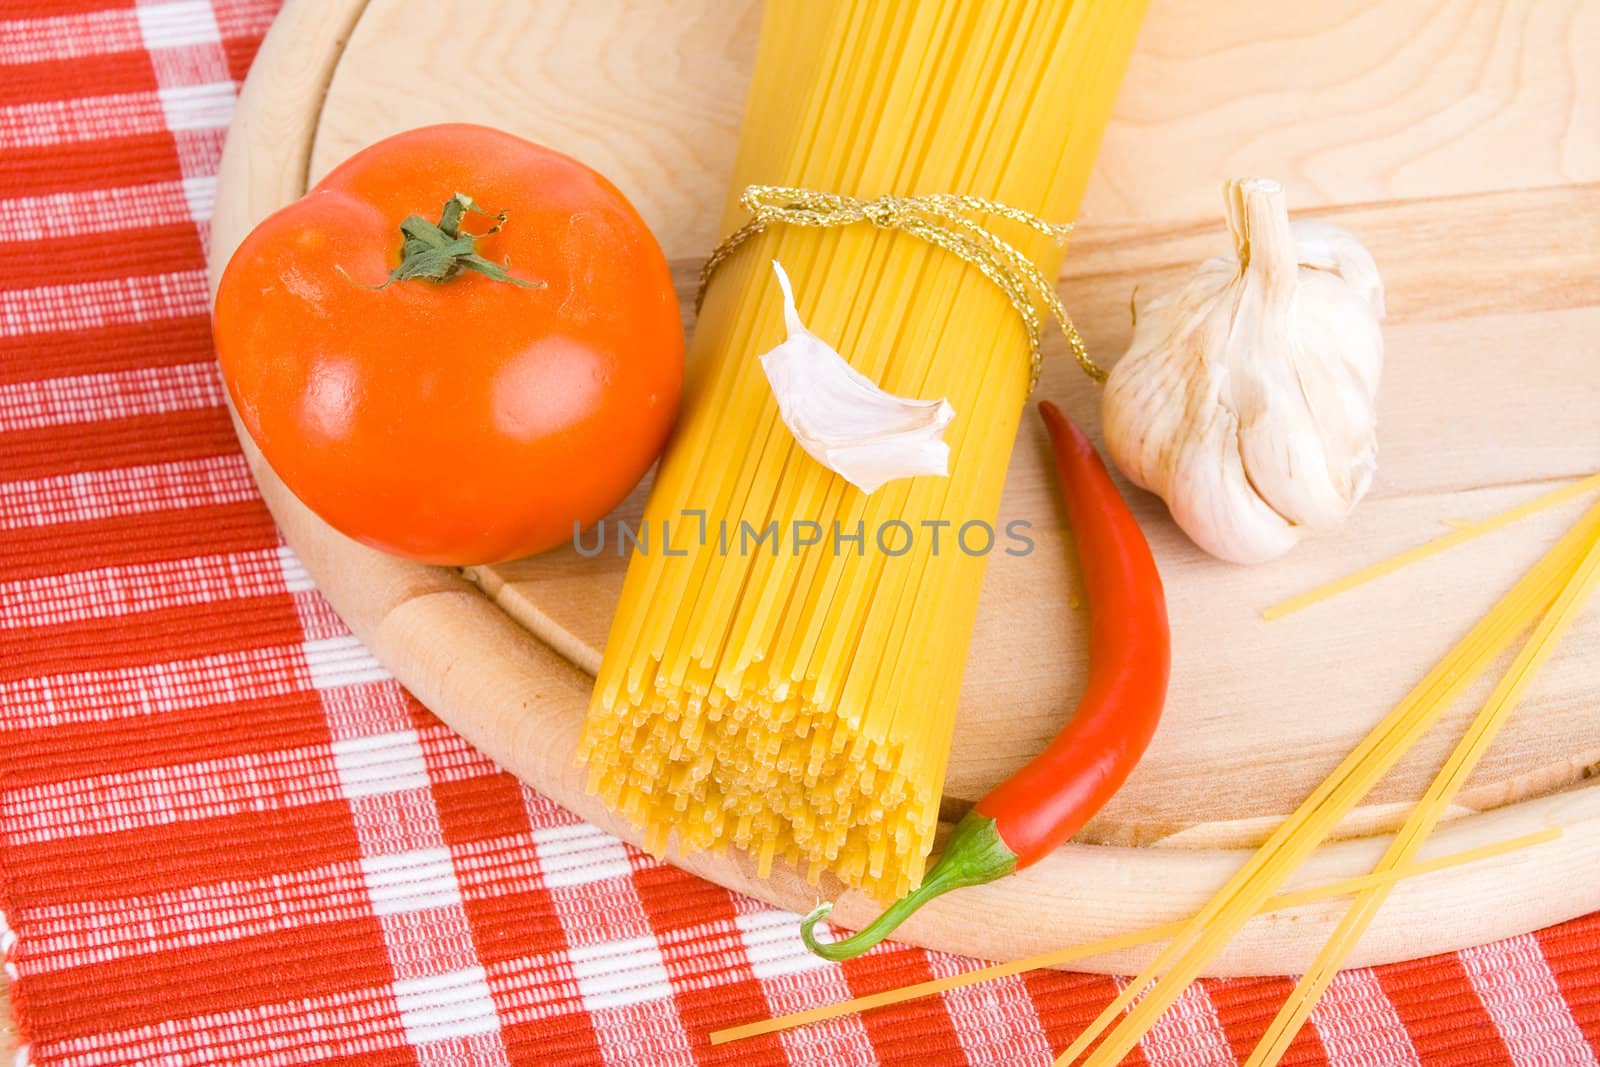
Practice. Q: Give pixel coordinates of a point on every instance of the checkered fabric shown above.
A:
(228, 836)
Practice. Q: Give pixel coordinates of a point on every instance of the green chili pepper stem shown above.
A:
(974, 854)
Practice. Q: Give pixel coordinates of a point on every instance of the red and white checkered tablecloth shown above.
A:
(227, 836)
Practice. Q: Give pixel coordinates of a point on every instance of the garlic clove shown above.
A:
(1335, 312)
(1324, 246)
(1298, 431)
(1279, 441)
(1214, 501)
(1341, 361)
(842, 419)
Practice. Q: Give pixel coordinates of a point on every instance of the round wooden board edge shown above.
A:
(522, 704)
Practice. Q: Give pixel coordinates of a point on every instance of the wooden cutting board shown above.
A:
(1460, 141)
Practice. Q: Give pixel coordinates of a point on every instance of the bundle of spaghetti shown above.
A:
(1426, 815)
(1159, 985)
(795, 699)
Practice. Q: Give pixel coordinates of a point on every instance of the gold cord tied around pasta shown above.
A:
(942, 219)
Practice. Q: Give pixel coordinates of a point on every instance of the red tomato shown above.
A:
(465, 419)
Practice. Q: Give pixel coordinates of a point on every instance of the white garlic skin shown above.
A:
(840, 416)
(1247, 398)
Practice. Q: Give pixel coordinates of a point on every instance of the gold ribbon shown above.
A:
(941, 219)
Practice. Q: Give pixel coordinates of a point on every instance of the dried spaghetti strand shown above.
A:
(1462, 533)
(1117, 943)
(1205, 935)
(1426, 815)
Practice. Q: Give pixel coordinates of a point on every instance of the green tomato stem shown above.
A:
(438, 251)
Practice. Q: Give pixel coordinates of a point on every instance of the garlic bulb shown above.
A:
(841, 417)
(1247, 398)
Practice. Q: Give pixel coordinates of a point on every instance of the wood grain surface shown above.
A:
(1449, 136)
(1345, 101)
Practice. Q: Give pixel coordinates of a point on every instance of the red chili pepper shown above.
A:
(1038, 808)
